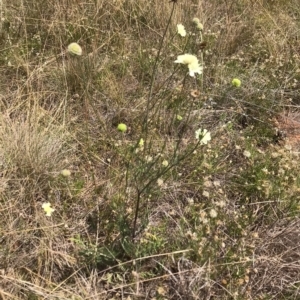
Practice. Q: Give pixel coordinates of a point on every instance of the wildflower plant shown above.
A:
(168, 175)
(146, 171)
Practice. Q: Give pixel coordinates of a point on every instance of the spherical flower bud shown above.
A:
(236, 82)
(165, 163)
(122, 127)
(196, 21)
(75, 49)
(200, 26)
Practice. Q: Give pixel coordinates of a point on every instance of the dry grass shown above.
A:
(169, 219)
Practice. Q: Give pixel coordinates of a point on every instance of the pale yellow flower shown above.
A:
(65, 173)
(165, 163)
(195, 68)
(186, 59)
(141, 142)
(48, 209)
(75, 49)
(213, 213)
(191, 61)
(181, 30)
(203, 136)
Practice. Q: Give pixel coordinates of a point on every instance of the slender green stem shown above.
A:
(149, 98)
(201, 59)
(136, 213)
(154, 178)
(153, 75)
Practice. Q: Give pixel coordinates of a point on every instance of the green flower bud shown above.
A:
(236, 82)
(122, 127)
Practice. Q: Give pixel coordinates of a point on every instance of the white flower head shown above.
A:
(186, 59)
(203, 136)
(213, 214)
(191, 61)
(195, 68)
(181, 30)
